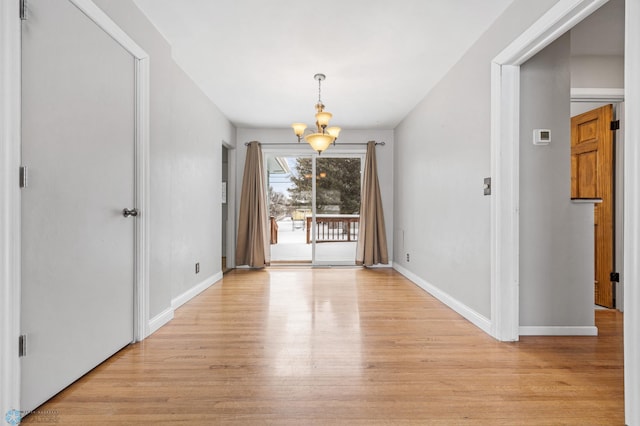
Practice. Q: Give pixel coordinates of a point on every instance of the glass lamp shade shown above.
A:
(319, 141)
(322, 118)
(298, 128)
(334, 131)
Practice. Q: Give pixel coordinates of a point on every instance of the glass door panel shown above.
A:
(289, 186)
(337, 209)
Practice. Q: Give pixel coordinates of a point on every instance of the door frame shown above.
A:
(10, 197)
(505, 133)
(616, 98)
(304, 151)
(231, 205)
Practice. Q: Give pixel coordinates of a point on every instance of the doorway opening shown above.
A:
(608, 218)
(226, 249)
(314, 205)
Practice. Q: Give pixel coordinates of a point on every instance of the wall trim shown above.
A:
(160, 320)
(505, 161)
(480, 321)
(195, 290)
(558, 331)
(10, 111)
(381, 265)
(101, 19)
(631, 214)
(596, 94)
(141, 230)
(167, 315)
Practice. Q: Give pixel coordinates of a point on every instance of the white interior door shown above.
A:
(77, 247)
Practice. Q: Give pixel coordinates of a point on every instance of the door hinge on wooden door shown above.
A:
(22, 345)
(614, 277)
(23, 177)
(23, 10)
(615, 125)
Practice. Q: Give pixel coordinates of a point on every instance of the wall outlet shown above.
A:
(408, 258)
(197, 267)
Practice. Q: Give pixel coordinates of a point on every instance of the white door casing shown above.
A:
(505, 91)
(505, 134)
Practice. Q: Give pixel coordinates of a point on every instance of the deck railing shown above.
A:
(334, 228)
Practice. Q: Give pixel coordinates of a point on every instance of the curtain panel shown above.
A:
(372, 237)
(253, 224)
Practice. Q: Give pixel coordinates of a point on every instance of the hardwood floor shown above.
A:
(343, 346)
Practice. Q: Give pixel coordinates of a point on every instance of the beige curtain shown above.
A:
(372, 237)
(253, 225)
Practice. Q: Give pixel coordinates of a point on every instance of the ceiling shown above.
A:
(256, 59)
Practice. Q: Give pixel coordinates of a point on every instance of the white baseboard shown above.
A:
(558, 331)
(195, 290)
(167, 315)
(381, 265)
(159, 320)
(480, 321)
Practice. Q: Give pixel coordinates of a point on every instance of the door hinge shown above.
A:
(22, 345)
(23, 10)
(615, 125)
(614, 277)
(23, 176)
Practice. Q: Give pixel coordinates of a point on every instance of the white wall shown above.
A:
(384, 155)
(556, 235)
(187, 131)
(442, 154)
(589, 71)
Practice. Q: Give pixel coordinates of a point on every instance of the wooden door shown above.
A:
(77, 248)
(592, 177)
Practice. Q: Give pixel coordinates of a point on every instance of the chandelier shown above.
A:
(324, 136)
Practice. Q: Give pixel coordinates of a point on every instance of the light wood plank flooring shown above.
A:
(343, 346)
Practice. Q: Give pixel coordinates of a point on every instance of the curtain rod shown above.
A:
(339, 144)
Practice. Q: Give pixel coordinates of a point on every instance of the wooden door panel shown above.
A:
(587, 174)
(592, 177)
(587, 131)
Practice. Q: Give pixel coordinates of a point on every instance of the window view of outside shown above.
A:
(290, 204)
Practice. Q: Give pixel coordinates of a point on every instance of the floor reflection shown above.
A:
(313, 325)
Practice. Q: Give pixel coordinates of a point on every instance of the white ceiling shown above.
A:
(256, 59)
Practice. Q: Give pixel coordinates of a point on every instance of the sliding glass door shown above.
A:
(290, 204)
(337, 197)
(314, 202)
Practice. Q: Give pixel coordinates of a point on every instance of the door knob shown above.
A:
(129, 212)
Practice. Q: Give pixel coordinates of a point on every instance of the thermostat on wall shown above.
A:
(541, 136)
